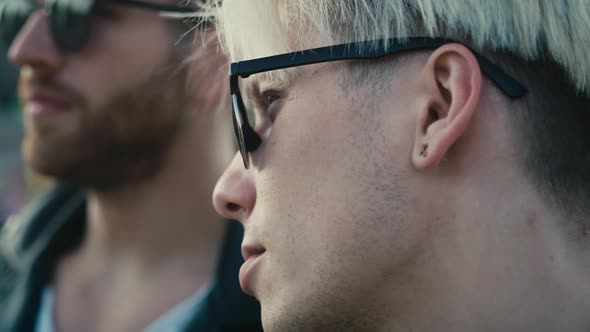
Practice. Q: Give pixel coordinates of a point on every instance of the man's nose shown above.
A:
(234, 196)
(34, 46)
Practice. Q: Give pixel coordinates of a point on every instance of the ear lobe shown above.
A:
(451, 82)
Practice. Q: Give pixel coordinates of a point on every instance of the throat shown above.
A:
(119, 297)
(155, 230)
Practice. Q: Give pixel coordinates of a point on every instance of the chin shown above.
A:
(42, 158)
(50, 160)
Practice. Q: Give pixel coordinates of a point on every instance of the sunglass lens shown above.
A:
(13, 16)
(70, 23)
(239, 130)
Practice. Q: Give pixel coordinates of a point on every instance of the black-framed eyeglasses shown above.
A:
(69, 19)
(246, 137)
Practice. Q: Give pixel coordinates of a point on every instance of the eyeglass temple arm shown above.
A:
(350, 51)
(510, 86)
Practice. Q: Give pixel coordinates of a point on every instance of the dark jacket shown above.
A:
(32, 244)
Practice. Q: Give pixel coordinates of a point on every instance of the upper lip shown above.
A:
(39, 95)
(251, 250)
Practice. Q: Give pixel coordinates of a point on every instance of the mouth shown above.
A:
(40, 104)
(252, 255)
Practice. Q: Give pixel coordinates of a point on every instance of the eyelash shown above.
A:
(262, 103)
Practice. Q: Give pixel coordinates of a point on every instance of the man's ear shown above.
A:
(451, 82)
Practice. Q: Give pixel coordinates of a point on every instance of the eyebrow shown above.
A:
(252, 89)
(253, 83)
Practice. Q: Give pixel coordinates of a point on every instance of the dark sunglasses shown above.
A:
(69, 19)
(246, 137)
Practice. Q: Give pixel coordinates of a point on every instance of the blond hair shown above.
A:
(545, 44)
(549, 30)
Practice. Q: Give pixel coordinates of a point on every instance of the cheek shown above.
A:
(315, 180)
(336, 189)
(116, 60)
(302, 157)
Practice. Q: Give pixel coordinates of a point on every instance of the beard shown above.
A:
(123, 142)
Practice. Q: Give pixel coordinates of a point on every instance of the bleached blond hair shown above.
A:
(545, 44)
(552, 30)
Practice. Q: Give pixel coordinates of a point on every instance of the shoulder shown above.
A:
(24, 236)
(22, 231)
(29, 243)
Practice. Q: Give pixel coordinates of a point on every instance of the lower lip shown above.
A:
(45, 108)
(247, 272)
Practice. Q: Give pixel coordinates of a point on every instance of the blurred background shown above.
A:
(16, 187)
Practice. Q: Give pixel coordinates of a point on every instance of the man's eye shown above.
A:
(266, 105)
(271, 97)
(265, 99)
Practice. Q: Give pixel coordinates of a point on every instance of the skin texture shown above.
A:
(365, 229)
(141, 134)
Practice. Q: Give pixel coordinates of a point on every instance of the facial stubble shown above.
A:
(123, 142)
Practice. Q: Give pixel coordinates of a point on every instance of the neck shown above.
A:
(167, 219)
(494, 262)
(159, 239)
(494, 253)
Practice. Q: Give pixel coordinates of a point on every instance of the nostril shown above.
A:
(233, 207)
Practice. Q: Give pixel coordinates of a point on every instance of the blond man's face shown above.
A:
(328, 201)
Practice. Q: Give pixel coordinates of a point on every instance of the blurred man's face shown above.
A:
(327, 202)
(103, 115)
